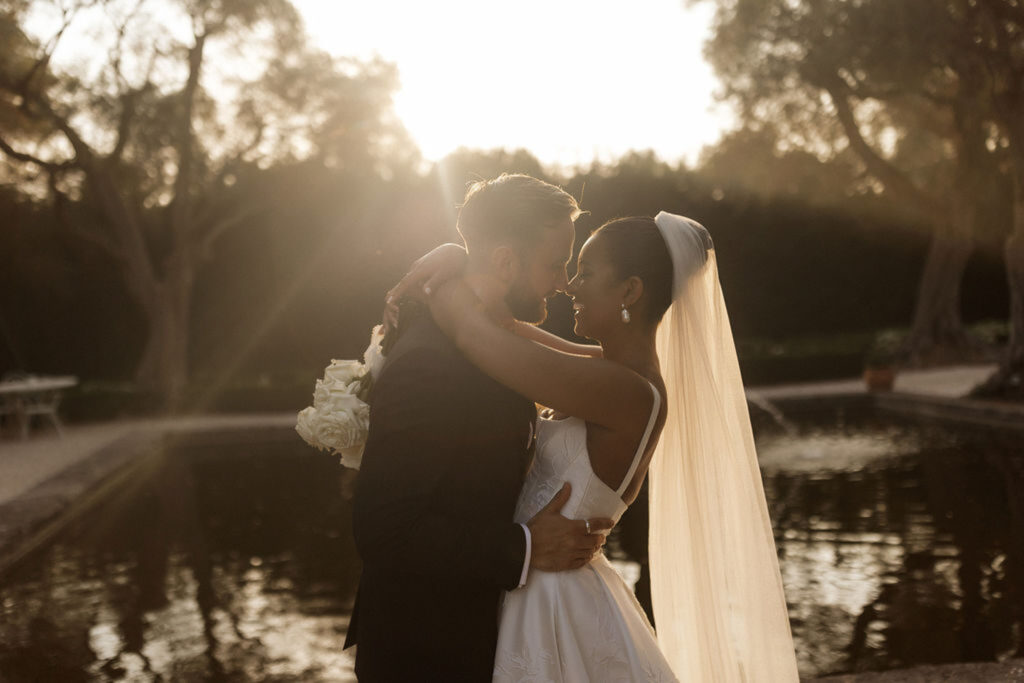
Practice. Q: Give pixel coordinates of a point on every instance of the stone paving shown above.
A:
(949, 382)
(1011, 671)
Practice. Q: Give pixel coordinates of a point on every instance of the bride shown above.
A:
(663, 394)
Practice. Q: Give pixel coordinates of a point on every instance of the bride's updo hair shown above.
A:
(635, 247)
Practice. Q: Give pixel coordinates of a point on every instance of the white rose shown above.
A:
(343, 372)
(321, 394)
(372, 357)
(324, 391)
(335, 399)
(339, 420)
(343, 427)
(329, 393)
(304, 425)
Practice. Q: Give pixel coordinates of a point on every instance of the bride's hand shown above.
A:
(427, 273)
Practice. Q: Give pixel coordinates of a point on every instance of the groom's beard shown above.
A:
(526, 306)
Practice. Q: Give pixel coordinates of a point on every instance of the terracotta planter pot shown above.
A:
(879, 379)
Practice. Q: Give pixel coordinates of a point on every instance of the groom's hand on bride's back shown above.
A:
(558, 543)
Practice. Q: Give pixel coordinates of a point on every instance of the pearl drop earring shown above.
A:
(625, 314)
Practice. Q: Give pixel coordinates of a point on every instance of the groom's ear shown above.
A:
(505, 263)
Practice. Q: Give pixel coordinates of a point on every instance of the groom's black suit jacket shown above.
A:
(443, 465)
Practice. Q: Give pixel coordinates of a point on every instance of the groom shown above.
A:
(446, 457)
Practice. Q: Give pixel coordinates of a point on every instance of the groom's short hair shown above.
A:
(513, 209)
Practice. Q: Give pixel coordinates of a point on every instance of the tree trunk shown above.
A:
(164, 365)
(1008, 380)
(163, 368)
(1013, 363)
(937, 334)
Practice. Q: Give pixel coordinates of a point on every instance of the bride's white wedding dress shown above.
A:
(581, 625)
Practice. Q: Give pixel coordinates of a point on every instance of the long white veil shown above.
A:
(719, 606)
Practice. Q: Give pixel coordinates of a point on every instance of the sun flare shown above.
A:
(572, 81)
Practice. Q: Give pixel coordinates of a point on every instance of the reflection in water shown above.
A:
(899, 544)
(899, 558)
(215, 565)
(824, 452)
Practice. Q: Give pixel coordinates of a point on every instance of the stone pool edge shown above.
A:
(1010, 671)
(31, 519)
(966, 411)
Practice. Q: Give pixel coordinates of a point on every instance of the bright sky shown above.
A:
(572, 81)
(569, 80)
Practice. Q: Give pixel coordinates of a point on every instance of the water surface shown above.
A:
(900, 543)
(215, 564)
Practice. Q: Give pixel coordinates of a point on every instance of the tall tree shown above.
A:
(995, 33)
(185, 100)
(883, 80)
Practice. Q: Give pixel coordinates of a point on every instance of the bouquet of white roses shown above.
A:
(339, 419)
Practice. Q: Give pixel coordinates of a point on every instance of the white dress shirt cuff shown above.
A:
(526, 561)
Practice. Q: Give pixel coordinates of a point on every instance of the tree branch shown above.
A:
(130, 95)
(48, 51)
(227, 168)
(140, 274)
(24, 157)
(122, 30)
(181, 205)
(214, 231)
(61, 205)
(128, 101)
(878, 166)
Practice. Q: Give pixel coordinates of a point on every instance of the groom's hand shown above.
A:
(558, 543)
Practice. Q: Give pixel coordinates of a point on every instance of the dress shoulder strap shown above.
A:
(643, 442)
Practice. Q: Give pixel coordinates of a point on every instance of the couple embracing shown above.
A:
(480, 523)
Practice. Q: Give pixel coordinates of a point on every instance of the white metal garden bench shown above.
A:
(24, 396)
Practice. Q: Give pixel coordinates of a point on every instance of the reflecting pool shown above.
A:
(215, 564)
(900, 543)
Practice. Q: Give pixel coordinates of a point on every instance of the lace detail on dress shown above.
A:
(555, 439)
